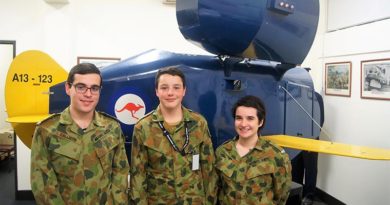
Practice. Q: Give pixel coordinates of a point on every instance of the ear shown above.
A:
(184, 93)
(156, 92)
(67, 88)
(261, 123)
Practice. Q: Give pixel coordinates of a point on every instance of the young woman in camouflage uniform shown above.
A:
(78, 156)
(252, 170)
(172, 158)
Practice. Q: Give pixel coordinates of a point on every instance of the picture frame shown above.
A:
(338, 78)
(375, 79)
(100, 62)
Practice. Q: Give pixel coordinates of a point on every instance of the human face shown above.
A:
(170, 91)
(83, 103)
(246, 122)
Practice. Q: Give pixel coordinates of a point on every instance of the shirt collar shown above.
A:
(259, 144)
(66, 119)
(158, 117)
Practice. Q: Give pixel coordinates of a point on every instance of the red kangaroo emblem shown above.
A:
(132, 108)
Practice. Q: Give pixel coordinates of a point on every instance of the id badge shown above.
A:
(195, 162)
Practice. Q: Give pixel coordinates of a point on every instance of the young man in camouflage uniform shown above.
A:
(251, 169)
(78, 156)
(172, 159)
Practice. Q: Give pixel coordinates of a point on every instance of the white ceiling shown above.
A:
(57, 1)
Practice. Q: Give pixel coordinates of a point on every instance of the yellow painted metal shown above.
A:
(25, 132)
(29, 78)
(327, 147)
(28, 118)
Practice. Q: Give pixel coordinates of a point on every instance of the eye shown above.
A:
(95, 88)
(80, 86)
(251, 118)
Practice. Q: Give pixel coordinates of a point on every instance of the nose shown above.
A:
(88, 92)
(242, 122)
(170, 91)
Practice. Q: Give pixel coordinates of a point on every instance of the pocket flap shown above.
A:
(225, 167)
(105, 144)
(262, 168)
(65, 147)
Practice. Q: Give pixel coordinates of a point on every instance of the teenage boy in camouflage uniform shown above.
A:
(172, 159)
(78, 156)
(252, 170)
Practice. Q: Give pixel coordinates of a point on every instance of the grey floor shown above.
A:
(295, 201)
(318, 202)
(7, 187)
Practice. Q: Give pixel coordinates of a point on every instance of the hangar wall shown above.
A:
(92, 28)
(6, 57)
(353, 120)
(357, 121)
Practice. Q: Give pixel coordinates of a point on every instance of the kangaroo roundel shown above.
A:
(129, 108)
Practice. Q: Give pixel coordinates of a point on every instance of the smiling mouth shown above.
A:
(244, 129)
(86, 101)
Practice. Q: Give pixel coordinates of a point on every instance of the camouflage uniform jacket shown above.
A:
(70, 165)
(161, 175)
(263, 176)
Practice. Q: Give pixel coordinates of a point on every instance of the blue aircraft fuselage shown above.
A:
(257, 47)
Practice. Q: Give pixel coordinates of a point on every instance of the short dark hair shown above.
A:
(170, 70)
(254, 102)
(83, 68)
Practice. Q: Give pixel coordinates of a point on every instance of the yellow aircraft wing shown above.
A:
(327, 147)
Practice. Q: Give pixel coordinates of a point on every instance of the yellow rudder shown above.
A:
(29, 78)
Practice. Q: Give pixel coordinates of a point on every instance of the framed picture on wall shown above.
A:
(338, 78)
(100, 62)
(375, 79)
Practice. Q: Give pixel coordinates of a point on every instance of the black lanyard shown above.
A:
(169, 137)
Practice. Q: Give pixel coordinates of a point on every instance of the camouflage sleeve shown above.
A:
(219, 185)
(209, 173)
(120, 171)
(138, 194)
(282, 179)
(44, 183)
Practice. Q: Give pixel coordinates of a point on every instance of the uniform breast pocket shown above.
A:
(158, 160)
(65, 155)
(194, 149)
(261, 173)
(225, 169)
(225, 166)
(105, 151)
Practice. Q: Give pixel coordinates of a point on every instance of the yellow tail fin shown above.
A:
(29, 78)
